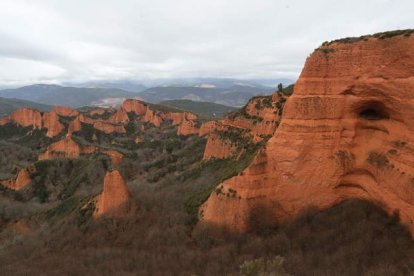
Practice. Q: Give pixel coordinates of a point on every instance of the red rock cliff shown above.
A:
(65, 148)
(115, 199)
(52, 124)
(347, 132)
(134, 106)
(27, 117)
(219, 148)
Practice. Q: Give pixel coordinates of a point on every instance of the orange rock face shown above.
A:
(21, 181)
(65, 111)
(134, 106)
(52, 124)
(66, 148)
(27, 117)
(115, 199)
(109, 127)
(208, 127)
(179, 117)
(187, 128)
(120, 116)
(153, 118)
(116, 156)
(218, 148)
(347, 132)
(75, 125)
(97, 111)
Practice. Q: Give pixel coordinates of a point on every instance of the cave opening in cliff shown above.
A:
(373, 111)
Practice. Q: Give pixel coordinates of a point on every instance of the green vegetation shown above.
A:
(219, 170)
(206, 109)
(378, 160)
(264, 267)
(382, 35)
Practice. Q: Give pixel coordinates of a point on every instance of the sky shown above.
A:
(46, 41)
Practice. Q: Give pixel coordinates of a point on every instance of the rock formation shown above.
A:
(116, 156)
(65, 111)
(153, 118)
(22, 180)
(134, 106)
(219, 148)
(108, 127)
(187, 127)
(50, 121)
(27, 117)
(179, 117)
(347, 132)
(65, 148)
(120, 117)
(115, 199)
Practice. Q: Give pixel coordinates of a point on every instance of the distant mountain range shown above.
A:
(7, 106)
(206, 109)
(137, 86)
(229, 92)
(234, 96)
(70, 96)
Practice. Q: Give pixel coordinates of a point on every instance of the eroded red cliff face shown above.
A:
(347, 132)
(134, 106)
(65, 148)
(65, 111)
(255, 122)
(152, 117)
(50, 121)
(22, 180)
(115, 199)
(109, 127)
(120, 117)
(187, 127)
(27, 117)
(219, 148)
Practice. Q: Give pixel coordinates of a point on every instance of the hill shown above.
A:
(236, 95)
(207, 109)
(69, 96)
(9, 105)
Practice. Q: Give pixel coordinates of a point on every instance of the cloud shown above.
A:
(56, 41)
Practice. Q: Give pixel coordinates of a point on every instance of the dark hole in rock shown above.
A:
(373, 114)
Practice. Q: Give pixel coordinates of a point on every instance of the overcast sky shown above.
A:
(77, 40)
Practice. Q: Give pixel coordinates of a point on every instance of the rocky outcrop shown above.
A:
(208, 127)
(347, 132)
(116, 156)
(22, 180)
(187, 127)
(65, 148)
(5, 121)
(135, 106)
(75, 125)
(27, 117)
(65, 111)
(177, 118)
(108, 127)
(50, 121)
(120, 117)
(153, 118)
(219, 148)
(98, 112)
(115, 199)
(255, 121)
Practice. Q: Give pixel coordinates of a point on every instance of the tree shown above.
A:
(279, 87)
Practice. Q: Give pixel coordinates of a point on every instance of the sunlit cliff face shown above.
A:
(347, 132)
(377, 144)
